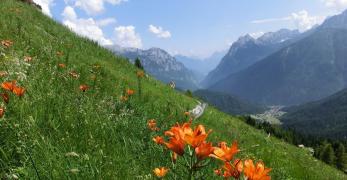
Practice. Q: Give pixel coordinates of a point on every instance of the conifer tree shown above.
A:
(189, 93)
(341, 157)
(138, 64)
(328, 155)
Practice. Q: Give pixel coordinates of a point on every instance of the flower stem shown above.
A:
(139, 86)
(191, 166)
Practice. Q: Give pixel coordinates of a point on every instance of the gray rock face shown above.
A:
(336, 22)
(246, 51)
(161, 65)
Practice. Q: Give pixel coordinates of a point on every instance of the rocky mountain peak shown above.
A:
(244, 39)
(278, 36)
(160, 64)
(338, 21)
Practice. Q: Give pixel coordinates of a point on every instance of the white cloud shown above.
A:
(126, 36)
(256, 35)
(302, 20)
(270, 20)
(90, 6)
(336, 4)
(115, 2)
(173, 52)
(45, 5)
(201, 54)
(159, 31)
(95, 6)
(84, 27)
(106, 22)
(69, 13)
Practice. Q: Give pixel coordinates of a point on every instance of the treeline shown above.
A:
(332, 152)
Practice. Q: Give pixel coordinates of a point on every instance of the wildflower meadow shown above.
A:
(70, 109)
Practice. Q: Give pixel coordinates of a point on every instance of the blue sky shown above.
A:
(188, 27)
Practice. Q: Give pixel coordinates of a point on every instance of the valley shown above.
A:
(272, 115)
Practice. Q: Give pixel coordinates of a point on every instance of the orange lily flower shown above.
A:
(152, 124)
(160, 172)
(74, 74)
(61, 65)
(28, 58)
(180, 131)
(5, 97)
(257, 172)
(2, 112)
(177, 142)
(130, 92)
(225, 153)
(84, 87)
(158, 140)
(196, 137)
(19, 91)
(204, 150)
(3, 73)
(183, 134)
(174, 157)
(7, 43)
(123, 98)
(9, 85)
(218, 172)
(187, 113)
(140, 74)
(233, 170)
(176, 145)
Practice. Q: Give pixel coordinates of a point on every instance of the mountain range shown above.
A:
(161, 65)
(307, 69)
(201, 66)
(246, 51)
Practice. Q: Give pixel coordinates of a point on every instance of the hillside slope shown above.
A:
(110, 136)
(324, 118)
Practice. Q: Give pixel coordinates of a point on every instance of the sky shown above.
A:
(194, 28)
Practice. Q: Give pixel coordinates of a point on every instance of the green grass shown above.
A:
(110, 136)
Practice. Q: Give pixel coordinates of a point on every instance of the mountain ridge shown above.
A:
(201, 66)
(295, 73)
(246, 51)
(160, 64)
(323, 118)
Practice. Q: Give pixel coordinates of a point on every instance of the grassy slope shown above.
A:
(111, 137)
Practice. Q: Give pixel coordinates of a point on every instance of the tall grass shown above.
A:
(56, 131)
